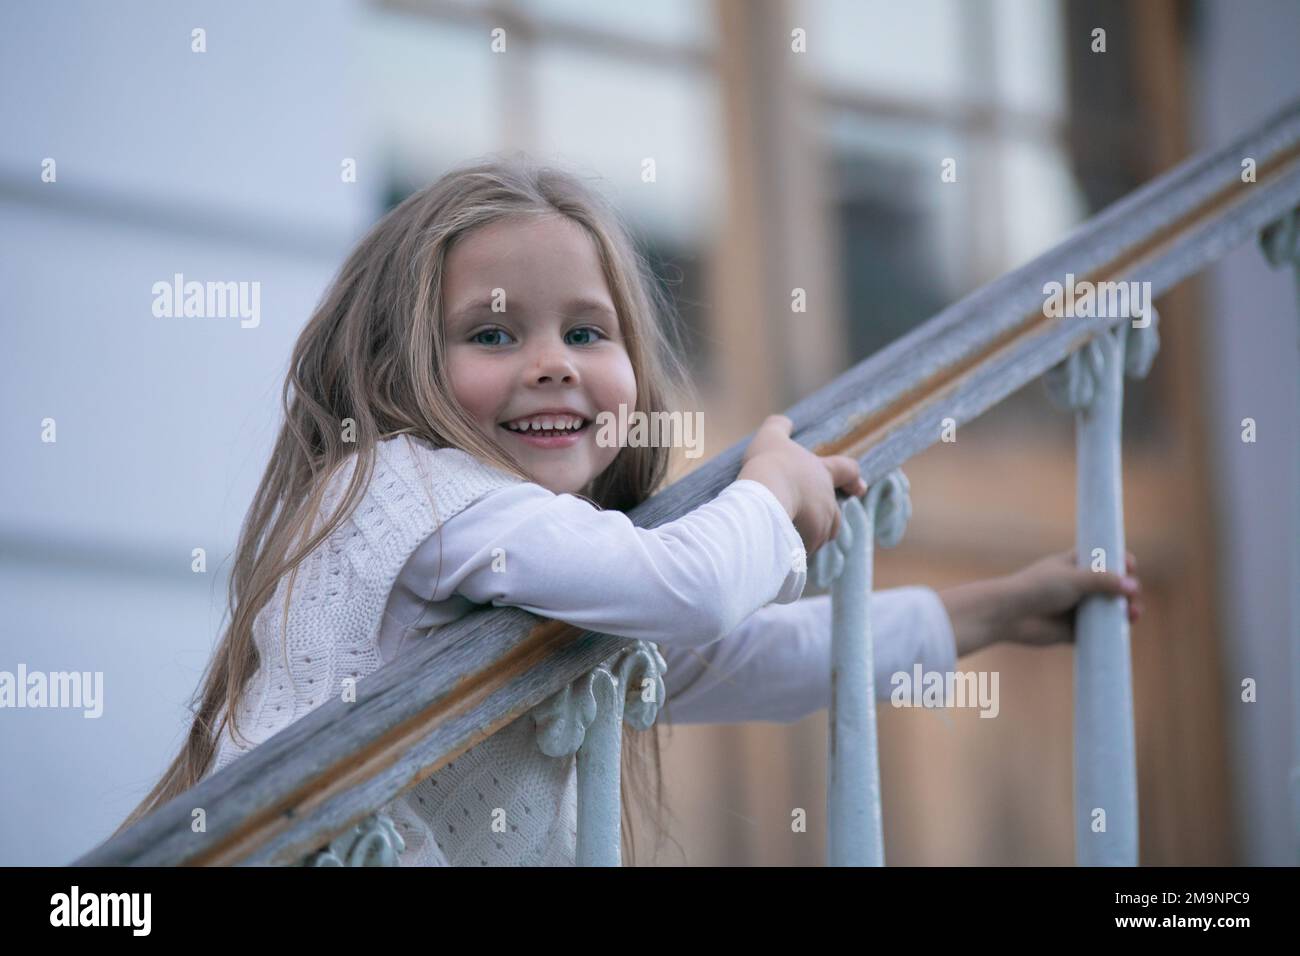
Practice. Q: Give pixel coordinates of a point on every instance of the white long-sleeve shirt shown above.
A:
(748, 650)
(718, 586)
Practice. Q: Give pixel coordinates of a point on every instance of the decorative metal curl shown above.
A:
(1280, 241)
(891, 501)
(372, 842)
(637, 666)
(1073, 382)
(563, 718)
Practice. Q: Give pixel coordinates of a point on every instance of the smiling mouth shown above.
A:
(549, 437)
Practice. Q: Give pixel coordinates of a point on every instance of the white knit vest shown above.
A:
(502, 802)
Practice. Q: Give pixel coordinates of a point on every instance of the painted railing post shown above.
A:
(855, 834)
(372, 842)
(1281, 245)
(1090, 383)
(587, 717)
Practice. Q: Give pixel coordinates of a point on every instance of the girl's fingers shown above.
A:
(1130, 560)
(1107, 582)
(844, 471)
(780, 423)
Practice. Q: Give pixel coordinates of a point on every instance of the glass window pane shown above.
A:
(1031, 56)
(911, 50)
(679, 22)
(431, 94)
(1041, 200)
(903, 231)
(610, 116)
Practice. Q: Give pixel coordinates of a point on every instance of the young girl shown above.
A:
(439, 453)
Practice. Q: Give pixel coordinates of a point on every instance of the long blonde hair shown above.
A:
(374, 352)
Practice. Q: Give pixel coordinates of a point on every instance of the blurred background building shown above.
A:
(773, 170)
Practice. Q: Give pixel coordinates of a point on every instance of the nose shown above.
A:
(553, 364)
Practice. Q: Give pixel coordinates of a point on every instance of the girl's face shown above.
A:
(553, 348)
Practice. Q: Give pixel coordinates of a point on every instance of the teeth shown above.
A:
(546, 423)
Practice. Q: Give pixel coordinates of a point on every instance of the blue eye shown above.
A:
(590, 329)
(475, 337)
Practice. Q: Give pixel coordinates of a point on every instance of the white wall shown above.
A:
(1246, 70)
(222, 165)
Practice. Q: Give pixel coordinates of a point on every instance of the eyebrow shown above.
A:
(578, 306)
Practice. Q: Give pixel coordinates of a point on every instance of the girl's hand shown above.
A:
(1041, 598)
(1036, 604)
(802, 481)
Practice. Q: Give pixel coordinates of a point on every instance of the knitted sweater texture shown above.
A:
(502, 802)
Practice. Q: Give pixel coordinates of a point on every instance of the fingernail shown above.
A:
(1130, 583)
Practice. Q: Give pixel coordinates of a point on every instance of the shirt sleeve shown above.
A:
(776, 665)
(682, 584)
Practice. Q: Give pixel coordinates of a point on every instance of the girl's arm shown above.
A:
(776, 665)
(1035, 605)
(682, 584)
